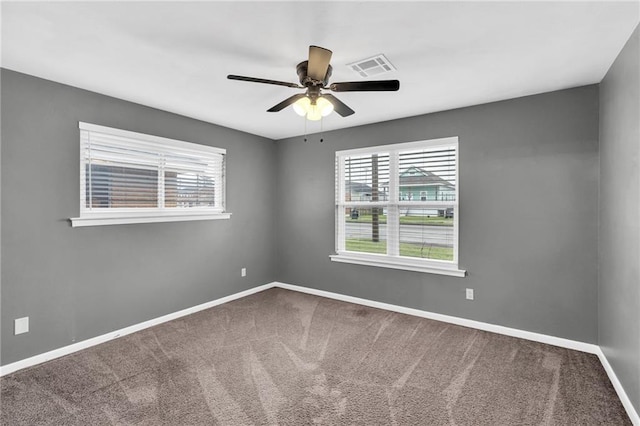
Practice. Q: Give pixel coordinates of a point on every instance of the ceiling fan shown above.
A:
(314, 77)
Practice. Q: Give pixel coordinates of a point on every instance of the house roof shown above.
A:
(418, 176)
(352, 186)
(413, 176)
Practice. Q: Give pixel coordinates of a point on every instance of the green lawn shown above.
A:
(406, 220)
(406, 249)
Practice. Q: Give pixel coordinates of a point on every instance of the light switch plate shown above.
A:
(21, 325)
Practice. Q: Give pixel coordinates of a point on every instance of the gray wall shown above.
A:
(528, 214)
(619, 280)
(76, 283)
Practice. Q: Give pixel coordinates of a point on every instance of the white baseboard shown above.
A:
(75, 347)
(514, 332)
(624, 398)
(528, 335)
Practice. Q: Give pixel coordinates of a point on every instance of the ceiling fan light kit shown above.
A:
(313, 111)
(314, 76)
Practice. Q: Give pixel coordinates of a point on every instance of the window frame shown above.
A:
(391, 259)
(123, 215)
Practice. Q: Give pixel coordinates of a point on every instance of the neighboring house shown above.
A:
(417, 184)
(107, 187)
(110, 187)
(357, 191)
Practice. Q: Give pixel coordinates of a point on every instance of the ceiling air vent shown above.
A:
(373, 66)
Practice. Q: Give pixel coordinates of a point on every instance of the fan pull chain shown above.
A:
(321, 130)
(305, 128)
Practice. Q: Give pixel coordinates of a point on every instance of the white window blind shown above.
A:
(397, 206)
(128, 177)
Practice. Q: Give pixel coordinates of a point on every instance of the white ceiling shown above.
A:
(175, 56)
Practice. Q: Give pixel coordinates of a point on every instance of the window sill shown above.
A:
(124, 219)
(398, 263)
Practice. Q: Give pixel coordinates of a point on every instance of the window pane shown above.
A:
(365, 230)
(366, 177)
(428, 174)
(125, 174)
(189, 190)
(413, 187)
(426, 233)
(115, 186)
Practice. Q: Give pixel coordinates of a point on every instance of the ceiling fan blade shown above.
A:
(262, 80)
(282, 105)
(338, 106)
(319, 59)
(366, 86)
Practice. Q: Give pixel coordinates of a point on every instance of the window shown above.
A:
(410, 220)
(128, 177)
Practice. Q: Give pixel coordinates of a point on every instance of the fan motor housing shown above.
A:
(307, 81)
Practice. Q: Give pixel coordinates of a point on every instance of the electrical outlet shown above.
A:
(469, 294)
(243, 272)
(21, 325)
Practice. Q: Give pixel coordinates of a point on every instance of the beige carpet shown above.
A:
(282, 357)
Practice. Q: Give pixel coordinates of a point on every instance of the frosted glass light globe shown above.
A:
(301, 106)
(324, 106)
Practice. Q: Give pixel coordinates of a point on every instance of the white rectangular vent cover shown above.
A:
(369, 67)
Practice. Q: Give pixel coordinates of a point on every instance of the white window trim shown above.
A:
(117, 216)
(404, 263)
(122, 219)
(392, 259)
